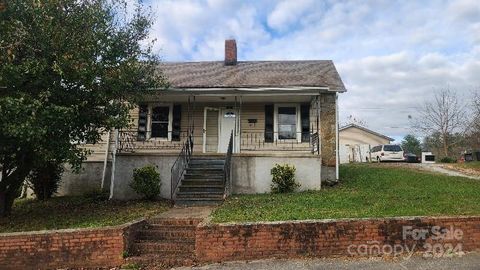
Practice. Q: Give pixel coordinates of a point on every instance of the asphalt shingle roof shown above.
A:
(315, 73)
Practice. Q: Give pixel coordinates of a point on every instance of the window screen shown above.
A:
(287, 123)
(160, 122)
(269, 123)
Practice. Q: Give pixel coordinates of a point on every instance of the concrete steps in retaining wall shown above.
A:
(164, 243)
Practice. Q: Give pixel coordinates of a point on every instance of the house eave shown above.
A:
(244, 91)
(366, 130)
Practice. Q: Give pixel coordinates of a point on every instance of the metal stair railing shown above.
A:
(181, 164)
(227, 168)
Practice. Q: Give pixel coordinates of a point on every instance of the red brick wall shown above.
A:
(76, 248)
(221, 242)
(329, 238)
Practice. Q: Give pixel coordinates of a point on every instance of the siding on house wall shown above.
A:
(253, 111)
(354, 135)
(324, 106)
(98, 149)
(355, 144)
(248, 111)
(251, 132)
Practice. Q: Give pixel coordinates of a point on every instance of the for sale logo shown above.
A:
(439, 234)
(438, 248)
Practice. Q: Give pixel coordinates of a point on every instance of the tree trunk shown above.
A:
(3, 204)
(6, 200)
(8, 196)
(445, 145)
(11, 184)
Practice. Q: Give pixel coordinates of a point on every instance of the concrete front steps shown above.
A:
(165, 242)
(202, 183)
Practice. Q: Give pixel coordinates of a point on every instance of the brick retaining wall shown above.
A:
(104, 247)
(72, 248)
(328, 238)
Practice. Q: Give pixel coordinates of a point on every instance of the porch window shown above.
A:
(287, 123)
(160, 122)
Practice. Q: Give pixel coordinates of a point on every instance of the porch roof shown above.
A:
(297, 75)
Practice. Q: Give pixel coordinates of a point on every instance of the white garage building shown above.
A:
(356, 142)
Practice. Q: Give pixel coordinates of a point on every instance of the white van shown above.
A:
(387, 152)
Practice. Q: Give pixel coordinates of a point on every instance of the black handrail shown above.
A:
(257, 141)
(181, 164)
(227, 168)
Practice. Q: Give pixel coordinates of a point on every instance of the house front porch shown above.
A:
(236, 138)
(260, 124)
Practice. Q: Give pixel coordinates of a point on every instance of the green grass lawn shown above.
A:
(76, 212)
(365, 191)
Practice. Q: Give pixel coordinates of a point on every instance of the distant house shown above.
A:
(222, 125)
(356, 141)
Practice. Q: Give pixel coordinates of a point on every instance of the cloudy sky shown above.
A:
(391, 55)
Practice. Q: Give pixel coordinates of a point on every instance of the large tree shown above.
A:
(444, 115)
(473, 135)
(68, 71)
(412, 144)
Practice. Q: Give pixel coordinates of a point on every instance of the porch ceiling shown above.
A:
(231, 99)
(294, 94)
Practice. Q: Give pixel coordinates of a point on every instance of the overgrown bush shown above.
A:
(45, 180)
(146, 182)
(448, 160)
(283, 178)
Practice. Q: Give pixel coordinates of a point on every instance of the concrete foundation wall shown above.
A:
(251, 174)
(124, 173)
(89, 179)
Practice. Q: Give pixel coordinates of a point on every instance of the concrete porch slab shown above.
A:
(197, 212)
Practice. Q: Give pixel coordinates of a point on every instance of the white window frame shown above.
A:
(298, 136)
(170, 121)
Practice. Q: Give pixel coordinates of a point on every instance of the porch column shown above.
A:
(328, 135)
(239, 130)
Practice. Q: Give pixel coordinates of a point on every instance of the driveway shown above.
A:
(468, 261)
(430, 167)
(440, 168)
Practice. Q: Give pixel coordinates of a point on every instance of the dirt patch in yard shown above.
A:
(463, 169)
(76, 212)
(445, 169)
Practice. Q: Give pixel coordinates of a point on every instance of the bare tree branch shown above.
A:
(444, 115)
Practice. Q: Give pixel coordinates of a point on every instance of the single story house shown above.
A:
(356, 142)
(222, 125)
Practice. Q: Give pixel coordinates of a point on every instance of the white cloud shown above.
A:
(465, 10)
(390, 54)
(386, 90)
(287, 12)
(196, 30)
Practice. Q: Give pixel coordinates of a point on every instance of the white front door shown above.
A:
(227, 125)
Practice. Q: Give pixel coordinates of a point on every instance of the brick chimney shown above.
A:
(230, 52)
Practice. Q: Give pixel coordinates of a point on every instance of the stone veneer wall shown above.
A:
(72, 248)
(328, 135)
